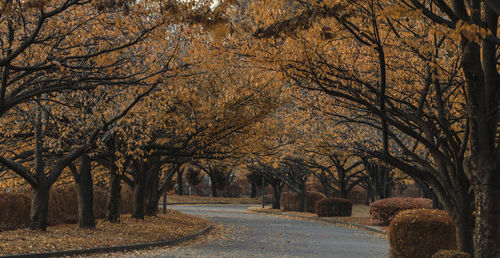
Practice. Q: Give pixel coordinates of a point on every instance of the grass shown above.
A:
(164, 227)
(173, 199)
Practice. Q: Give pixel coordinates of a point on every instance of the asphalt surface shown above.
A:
(260, 235)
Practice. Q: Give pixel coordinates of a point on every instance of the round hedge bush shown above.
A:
(333, 207)
(421, 233)
(291, 201)
(451, 254)
(383, 211)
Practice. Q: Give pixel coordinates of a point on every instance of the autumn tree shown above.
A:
(45, 63)
(400, 77)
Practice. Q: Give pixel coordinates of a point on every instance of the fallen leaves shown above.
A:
(129, 231)
(208, 199)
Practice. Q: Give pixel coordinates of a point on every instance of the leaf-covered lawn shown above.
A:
(360, 215)
(129, 231)
(171, 199)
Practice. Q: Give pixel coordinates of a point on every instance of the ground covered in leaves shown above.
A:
(129, 231)
(360, 215)
(217, 233)
(194, 199)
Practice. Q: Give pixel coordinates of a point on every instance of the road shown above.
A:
(259, 235)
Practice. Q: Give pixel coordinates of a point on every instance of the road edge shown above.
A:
(112, 249)
(326, 220)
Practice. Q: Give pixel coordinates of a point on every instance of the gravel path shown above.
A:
(258, 235)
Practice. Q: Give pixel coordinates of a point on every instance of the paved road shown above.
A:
(259, 235)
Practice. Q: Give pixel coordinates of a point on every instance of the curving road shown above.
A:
(259, 235)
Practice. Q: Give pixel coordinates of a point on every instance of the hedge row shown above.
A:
(291, 201)
(63, 206)
(421, 233)
(383, 211)
(333, 207)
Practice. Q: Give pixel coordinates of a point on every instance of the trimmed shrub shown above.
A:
(312, 198)
(291, 201)
(383, 211)
(333, 207)
(421, 233)
(127, 198)
(63, 206)
(451, 254)
(14, 211)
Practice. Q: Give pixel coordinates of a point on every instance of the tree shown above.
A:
(272, 176)
(416, 102)
(47, 68)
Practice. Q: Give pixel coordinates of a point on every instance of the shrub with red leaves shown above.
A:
(383, 211)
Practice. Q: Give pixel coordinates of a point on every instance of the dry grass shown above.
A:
(360, 214)
(172, 199)
(130, 231)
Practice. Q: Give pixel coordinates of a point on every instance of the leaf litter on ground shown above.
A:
(163, 227)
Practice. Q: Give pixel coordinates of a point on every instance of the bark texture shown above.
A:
(40, 206)
(85, 194)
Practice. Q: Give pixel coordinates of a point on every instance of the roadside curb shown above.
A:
(111, 249)
(326, 220)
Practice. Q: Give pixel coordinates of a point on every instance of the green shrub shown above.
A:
(420, 233)
(383, 211)
(291, 201)
(333, 207)
(451, 254)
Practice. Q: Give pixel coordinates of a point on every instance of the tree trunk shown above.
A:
(487, 226)
(253, 187)
(153, 193)
(85, 194)
(370, 195)
(40, 206)
(276, 197)
(214, 187)
(464, 233)
(138, 208)
(303, 198)
(179, 182)
(327, 191)
(114, 192)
